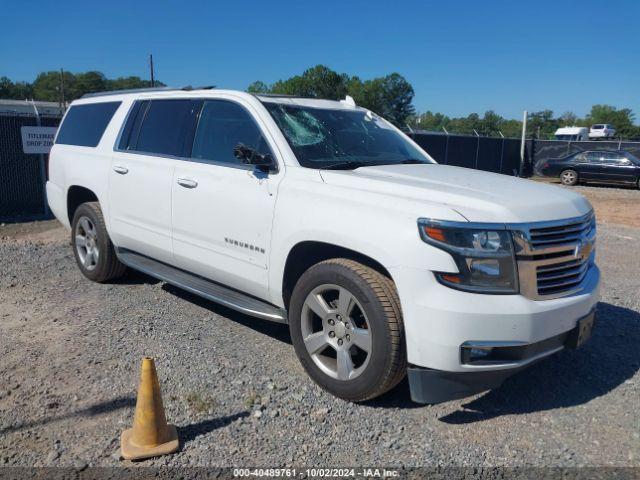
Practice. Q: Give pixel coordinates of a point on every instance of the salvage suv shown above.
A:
(323, 215)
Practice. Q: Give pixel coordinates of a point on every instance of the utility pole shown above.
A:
(151, 69)
(523, 141)
(62, 100)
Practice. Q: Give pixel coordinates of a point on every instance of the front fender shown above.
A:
(381, 227)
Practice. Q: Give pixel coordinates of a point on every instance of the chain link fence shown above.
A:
(491, 154)
(22, 176)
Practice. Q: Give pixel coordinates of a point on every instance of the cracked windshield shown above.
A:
(342, 138)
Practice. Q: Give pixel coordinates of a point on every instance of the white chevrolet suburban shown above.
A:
(323, 215)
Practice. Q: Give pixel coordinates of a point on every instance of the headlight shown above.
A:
(483, 253)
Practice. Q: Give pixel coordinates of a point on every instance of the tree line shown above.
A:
(390, 96)
(58, 86)
(542, 124)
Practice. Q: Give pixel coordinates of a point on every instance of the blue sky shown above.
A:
(461, 57)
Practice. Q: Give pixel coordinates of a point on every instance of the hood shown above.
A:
(478, 196)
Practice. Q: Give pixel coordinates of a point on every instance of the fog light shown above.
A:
(474, 354)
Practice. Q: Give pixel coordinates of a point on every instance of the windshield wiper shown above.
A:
(347, 165)
(411, 161)
(353, 164)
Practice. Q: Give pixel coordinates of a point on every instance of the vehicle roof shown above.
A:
(166, 92)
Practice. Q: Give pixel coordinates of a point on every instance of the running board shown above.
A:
(201, 286)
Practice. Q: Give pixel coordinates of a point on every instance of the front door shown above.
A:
(619, 169)
(592, 167)
(223, 209)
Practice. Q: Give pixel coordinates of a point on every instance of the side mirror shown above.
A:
(249, 156)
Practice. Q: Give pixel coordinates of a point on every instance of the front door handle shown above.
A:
(187, 183)
(120, 170)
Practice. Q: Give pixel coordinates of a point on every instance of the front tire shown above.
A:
(92, 247)
(346, 328)
(569, 177)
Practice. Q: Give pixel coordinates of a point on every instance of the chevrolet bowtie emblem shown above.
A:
(583, 249)
(578, 250)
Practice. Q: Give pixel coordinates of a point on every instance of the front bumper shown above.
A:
(438, 321)
(437, 386)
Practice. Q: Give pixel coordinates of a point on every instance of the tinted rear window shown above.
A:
(163, 128)
(85, 124)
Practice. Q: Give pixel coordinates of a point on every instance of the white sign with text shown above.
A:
(37, 139)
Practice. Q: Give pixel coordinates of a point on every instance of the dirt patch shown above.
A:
(613, 205)
(43, 233)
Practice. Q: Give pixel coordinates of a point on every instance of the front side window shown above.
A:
(222, 127)
(85, 124)
(342, 138)
(163, 128)
(609, 158)
(632, 158)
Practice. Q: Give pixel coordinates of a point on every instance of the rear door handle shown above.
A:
(120, 170)
(187, 183)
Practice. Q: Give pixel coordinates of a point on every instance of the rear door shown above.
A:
(141, 176)
(222, 208)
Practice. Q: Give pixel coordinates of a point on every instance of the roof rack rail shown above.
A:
(285, 95)
(187, 88)
(130, 90)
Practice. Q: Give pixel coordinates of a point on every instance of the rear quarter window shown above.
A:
(84, 125)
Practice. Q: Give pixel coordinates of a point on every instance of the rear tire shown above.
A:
(346, 328)
(569, 177)
(92, 247)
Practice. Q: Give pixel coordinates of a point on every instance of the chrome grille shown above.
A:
(560, 277)
(554, 257)
(561, 234)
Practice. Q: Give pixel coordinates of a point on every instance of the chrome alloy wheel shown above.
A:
(86, 243)
(569, 177)
(336, 332)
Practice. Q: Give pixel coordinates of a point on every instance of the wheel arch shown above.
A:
(305, 254)
(76, 196)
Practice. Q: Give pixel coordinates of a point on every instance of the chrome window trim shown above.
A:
(240, 166)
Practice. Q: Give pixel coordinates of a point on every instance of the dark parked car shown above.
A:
(601, 166)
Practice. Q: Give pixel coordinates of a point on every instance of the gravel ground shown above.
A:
(70, 353)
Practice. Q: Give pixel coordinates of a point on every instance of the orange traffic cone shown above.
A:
(150, 435)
